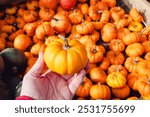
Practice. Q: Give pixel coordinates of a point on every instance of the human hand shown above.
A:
(50, 85)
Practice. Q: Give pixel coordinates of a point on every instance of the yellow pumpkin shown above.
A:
(65, 57)
(116, 80)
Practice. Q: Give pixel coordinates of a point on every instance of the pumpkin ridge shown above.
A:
(81, 58)
(72, 54)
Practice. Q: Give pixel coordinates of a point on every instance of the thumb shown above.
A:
(76, 80)
(38, 67)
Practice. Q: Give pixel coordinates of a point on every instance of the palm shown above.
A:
(50, 85)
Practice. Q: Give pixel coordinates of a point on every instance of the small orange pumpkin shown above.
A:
(131, 63)
(135, 49)
(84, 89)
(131, 38)
(100, 91)
(136, 16)
(46, 14)
(117, 45)
(75, 16)
(52, 4)
(104, 64)
(143, 67)
(118, 68)
(143, 85)
(98, 75)
(115, 58)
(22, 42)
(59, 22)
(43, 30)
(85, 28)
(122, 92)
(95, 53)
(108, 32)
(131, 80)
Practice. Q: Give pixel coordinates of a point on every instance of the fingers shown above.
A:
(76, 80)
(38, 67)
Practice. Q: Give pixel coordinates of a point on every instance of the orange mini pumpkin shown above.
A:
(100, 91)
(85, 28)
(131, 63)
(98, 75)
(22, 42)
(122, 92)
(59, 22)
(118, 68)
(84, 89)
(108, 32)
(143, 85)
(65, 57)
(136, 16)
(43, 30)
(135, 49)
(115, 57)
(95, 53)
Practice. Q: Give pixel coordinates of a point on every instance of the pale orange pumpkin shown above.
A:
(122, 32)
(131, 38)
(131, 63)
(143, 85)
(59, 22)
(136, 16)
(135, 49)
(146, 45)
(98, 75)
(143, 67)
(108, 32)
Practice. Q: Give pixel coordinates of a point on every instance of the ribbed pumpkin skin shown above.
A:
(65, 61)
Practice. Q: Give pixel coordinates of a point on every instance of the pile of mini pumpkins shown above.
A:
(117, 43)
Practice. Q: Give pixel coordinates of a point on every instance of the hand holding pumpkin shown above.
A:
(49, 85)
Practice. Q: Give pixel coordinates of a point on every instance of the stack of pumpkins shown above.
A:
(117, 43)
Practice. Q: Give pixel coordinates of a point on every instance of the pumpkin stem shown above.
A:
(99, 83)
(119, 8)
(94, 50)
(55, 19)
(66, 46)
(99, 11)
(148, 80)
(119, 68)
(135, 61)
